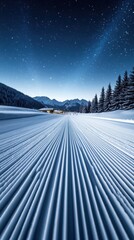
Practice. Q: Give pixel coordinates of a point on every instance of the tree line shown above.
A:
(121, 97)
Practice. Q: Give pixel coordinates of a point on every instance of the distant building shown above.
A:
(47, 110)
(58, 111)
(51, 110)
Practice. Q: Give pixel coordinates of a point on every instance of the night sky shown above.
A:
(65, 49)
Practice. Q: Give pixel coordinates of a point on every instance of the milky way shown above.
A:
(65, 49)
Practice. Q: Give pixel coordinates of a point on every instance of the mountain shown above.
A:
(11, 97)
(67, 105)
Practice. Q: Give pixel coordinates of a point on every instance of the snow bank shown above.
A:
(119, 115)
(9, 112)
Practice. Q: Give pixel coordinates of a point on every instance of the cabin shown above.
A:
(47, 110)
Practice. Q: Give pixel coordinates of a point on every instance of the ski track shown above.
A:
(66, 177)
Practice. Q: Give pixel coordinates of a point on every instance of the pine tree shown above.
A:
(101, 101)
(129, 97)
(108, 98)
(94, 105)
(115, 103)
(124, 85)
(89, 107)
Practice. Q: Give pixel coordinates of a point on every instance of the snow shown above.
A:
(66, 176)
(8, 112)
(119, 115)
(10, 109)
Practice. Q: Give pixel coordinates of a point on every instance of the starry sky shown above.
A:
(65, 49)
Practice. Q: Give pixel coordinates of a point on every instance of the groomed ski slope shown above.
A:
(67, 177)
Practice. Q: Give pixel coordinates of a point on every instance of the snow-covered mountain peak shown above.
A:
(66, 104)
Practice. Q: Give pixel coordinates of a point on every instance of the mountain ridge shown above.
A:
(66, 105)
(12, 97)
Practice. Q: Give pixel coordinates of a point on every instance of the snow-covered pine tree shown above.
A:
(123, 93)
(115, 103)
(101, 101)
(94, 105)
(108, 99)
(129, 97)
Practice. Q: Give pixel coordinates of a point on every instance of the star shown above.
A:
(63, 40)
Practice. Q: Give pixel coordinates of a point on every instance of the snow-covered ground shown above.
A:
(119, 115)
(8, 112)
(66, 177)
